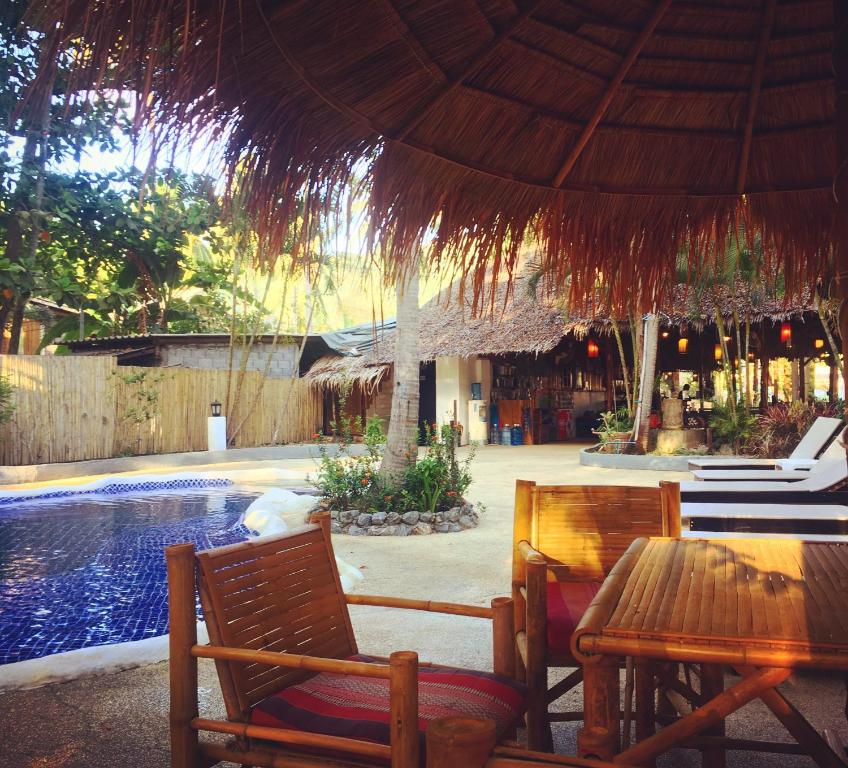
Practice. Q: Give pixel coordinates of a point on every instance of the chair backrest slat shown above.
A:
(583, 530)
(279, 593)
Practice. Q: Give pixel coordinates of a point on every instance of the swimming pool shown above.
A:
(89, 570)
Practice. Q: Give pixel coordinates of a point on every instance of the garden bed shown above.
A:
(411, 523)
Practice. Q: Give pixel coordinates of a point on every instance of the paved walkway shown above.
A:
(121, 719)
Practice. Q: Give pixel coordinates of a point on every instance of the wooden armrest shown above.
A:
(529, 554)
(477, 611)
(293, 660)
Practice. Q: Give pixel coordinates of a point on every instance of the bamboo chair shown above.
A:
(566, 539)
(288, 662)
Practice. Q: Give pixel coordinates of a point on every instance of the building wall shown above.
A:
(217, 356)
(454, 376)
(381, 404)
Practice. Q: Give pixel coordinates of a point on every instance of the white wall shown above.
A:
(453, 383)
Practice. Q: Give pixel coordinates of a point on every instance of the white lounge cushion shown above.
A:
(714, 511)
(812, 444)
(828, 472)
(758, 475)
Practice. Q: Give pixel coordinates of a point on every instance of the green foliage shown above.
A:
(731, 426)
(436, 482)
(7, 399)
(780, 428)
(613, 423)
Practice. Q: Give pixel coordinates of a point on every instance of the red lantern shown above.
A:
(592, 349)
(785, 333)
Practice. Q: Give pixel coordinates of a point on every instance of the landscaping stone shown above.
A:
(422, 529)
(411, 523)
(382, 530)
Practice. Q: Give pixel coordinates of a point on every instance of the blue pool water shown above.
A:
(89, 570)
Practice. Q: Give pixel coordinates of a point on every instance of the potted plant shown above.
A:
(614, 426)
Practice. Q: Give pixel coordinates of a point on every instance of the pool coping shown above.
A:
(39, 473)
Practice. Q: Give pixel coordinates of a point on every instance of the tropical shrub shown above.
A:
(613, 423)
(731, 426)
(433, 483)
(780, 428)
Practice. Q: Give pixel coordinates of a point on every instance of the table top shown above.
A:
(744, 601)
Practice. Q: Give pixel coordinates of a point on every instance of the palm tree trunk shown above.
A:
(646, 388)
(624, 372)
(402, 439)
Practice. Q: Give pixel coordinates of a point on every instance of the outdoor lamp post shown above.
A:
(216, 428)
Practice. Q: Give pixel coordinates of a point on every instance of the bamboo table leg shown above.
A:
(706, 716)
(798, 726)
(645, 701)
(600, 736)
(712, 684)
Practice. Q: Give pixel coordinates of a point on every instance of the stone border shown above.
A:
(352, 522)
(590, 458)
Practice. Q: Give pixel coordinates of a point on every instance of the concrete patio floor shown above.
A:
(121, 719)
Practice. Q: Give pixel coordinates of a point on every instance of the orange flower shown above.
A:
(450, 493)
(363, 481)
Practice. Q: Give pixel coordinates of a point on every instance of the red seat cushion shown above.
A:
(567, 602)
(358, 707)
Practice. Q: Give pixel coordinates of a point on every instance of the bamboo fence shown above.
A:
(78, 408)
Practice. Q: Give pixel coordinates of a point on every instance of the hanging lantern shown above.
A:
(664, 334)
(592, 349)
(785, 333)
(819, 343)
(682, 345)
(717, 352)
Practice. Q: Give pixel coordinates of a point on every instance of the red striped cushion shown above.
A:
(567, 602)
(358, 707)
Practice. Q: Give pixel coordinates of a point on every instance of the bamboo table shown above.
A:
(762, 606)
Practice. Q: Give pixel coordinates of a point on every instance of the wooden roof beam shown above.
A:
(471, 68)
(754, 97)
(609, 93)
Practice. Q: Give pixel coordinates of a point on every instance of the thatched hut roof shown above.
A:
(530, 319)
(620, 132)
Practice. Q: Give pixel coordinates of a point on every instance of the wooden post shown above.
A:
(645, 703)
(538, 728)
(610, 384)
(840, 181)
(764, 383)
(403, 700)
(503, 637)
(599, 737)
(670, 500)
(462, 742)
(522, 529)
(183, 666)
(712, 684)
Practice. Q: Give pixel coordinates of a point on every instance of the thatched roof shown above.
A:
(530, 319)
(619, 131)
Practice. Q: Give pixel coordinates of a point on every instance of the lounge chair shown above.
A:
(566, 539)
(296, 690)
(818, 437)
(817, 504)
(793, 469)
